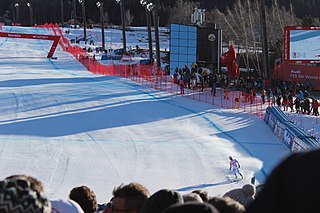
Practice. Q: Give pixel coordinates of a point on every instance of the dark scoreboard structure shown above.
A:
(194, 44)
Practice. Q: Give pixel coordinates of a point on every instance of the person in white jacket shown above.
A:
(235, 166)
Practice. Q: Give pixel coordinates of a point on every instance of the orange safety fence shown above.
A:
(151, 76)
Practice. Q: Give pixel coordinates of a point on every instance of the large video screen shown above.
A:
(302, 44)
(183, 46)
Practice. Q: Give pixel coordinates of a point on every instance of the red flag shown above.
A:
(229, 59)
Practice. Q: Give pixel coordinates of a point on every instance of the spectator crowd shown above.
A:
(286, 94)
(291, 187)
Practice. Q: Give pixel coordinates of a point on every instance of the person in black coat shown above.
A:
(293, 186)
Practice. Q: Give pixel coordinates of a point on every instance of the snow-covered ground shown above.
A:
(113, 37)
(135, 36)
(68, 127)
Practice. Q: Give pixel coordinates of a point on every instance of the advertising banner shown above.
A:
(288, 138)
(299, 145)
(301, 74)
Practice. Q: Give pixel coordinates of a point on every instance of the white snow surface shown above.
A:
(68, 127)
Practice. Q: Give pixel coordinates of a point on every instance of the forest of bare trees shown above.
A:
(240, 24)
(49, 10)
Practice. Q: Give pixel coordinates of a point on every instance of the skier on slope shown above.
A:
(235, 165)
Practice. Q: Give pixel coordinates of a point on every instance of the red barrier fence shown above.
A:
(153, 77)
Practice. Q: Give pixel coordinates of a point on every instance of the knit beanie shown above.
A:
(19, 195)
(192, 197)
(244, 195)
(65, 206)
(192, 207)
(161, 200)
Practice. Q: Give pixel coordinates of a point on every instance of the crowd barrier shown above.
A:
(292, 135)
(151, 76)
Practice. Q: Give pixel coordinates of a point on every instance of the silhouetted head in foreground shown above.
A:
(292, 186)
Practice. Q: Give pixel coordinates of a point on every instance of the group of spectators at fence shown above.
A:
(297, 102)
(286, 94)
(291, 187)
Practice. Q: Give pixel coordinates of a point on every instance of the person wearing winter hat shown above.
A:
(192, 197)
(244, 195)
(65, 206)
(226, 205)
(191, 207)
(161, 200)
(203, 194)
(22, 193)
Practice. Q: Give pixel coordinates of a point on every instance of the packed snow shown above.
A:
(69, 127)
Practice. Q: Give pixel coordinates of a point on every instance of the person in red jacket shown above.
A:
(285, 103)
(315, 106)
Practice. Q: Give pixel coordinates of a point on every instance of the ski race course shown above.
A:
(68, 127)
